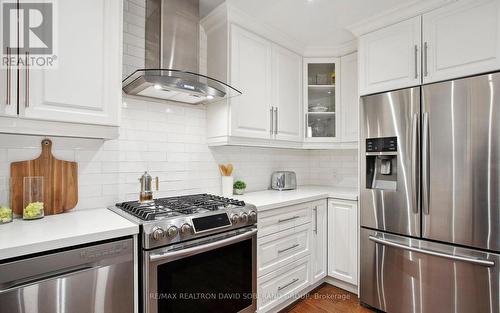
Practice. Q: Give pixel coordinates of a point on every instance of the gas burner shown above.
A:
(176, 206)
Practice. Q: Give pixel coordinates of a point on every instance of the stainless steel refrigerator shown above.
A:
(429, 198)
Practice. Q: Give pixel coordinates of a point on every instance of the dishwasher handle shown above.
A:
(22, 283)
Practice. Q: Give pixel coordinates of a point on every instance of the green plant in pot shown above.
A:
(239, 187)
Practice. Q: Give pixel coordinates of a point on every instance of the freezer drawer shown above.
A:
(401, 275)
(461, 172)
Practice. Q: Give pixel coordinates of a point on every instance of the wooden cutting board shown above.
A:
(60, 181)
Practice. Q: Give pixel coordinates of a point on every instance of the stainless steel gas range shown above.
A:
(197, 254)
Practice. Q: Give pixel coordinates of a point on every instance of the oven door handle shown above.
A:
(201, 248)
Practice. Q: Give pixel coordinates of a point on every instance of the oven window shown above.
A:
(215, 281)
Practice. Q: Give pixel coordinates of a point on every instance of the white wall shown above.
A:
(168, 140)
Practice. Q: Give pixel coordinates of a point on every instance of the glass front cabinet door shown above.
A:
(321, 99)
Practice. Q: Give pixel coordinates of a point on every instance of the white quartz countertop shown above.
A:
(271, 199)
(62, 230)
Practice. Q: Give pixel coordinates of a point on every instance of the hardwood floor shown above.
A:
(328, 299)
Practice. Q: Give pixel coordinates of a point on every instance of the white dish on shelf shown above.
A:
(318, 108)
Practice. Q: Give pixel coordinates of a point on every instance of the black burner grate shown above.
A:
(175, 206)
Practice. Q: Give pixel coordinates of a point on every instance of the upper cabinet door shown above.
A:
(461, 39)
(349, 97)
(287, 91)
(85, 86)
(390, 57)
(251, 73)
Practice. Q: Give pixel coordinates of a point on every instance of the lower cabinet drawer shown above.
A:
(282, 284)
(275, 251)
(273, 221)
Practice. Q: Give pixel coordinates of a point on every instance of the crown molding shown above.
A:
(331, 51)
(225, 14)
(395, 15)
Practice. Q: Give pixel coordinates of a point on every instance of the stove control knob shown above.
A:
(186, 229)
(172, 231)
(235, 218)
(244, 217)
(252, 216)
(157, 233)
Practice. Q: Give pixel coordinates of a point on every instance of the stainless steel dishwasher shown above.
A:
(90, 279)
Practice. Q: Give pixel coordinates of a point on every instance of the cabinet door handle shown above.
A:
(426, 46)
(289, 284)
(27, 82)
(9, 74)
(288, 219)
(289, 248)
(416, 60)
(315, 219)
(271, 121)
(276, 121)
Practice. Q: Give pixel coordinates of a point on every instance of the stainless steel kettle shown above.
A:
(146, 194)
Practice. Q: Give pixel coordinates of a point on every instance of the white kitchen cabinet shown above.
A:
(81, 96)
(287, 90)
(321, 99)
(390, 57)
(319, 241)
(461, 39)
(343, 240)
(331, 102)
(269, 111)
(284, 253)
(457, 40)
(85, 87)
(276, 250)
(269, 78)
(282, 285)
(251, 73)
(349, 98)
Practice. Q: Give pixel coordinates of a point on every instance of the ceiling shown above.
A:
(314, 23)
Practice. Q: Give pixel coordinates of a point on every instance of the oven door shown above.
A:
(212, 274)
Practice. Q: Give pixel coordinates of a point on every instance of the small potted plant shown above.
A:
(239, 187)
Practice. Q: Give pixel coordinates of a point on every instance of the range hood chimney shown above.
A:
(172, 57)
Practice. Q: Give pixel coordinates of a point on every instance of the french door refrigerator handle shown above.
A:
(477, 261)
(425, 164)
(414, 160)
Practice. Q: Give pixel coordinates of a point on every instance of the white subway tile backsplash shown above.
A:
(169, 140)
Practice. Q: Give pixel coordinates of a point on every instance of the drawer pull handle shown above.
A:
(289, 248)
(288, 219)
(288, 285)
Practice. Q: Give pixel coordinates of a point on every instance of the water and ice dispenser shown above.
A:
(382, 163)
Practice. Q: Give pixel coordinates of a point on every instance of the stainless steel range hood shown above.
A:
(172, 57)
